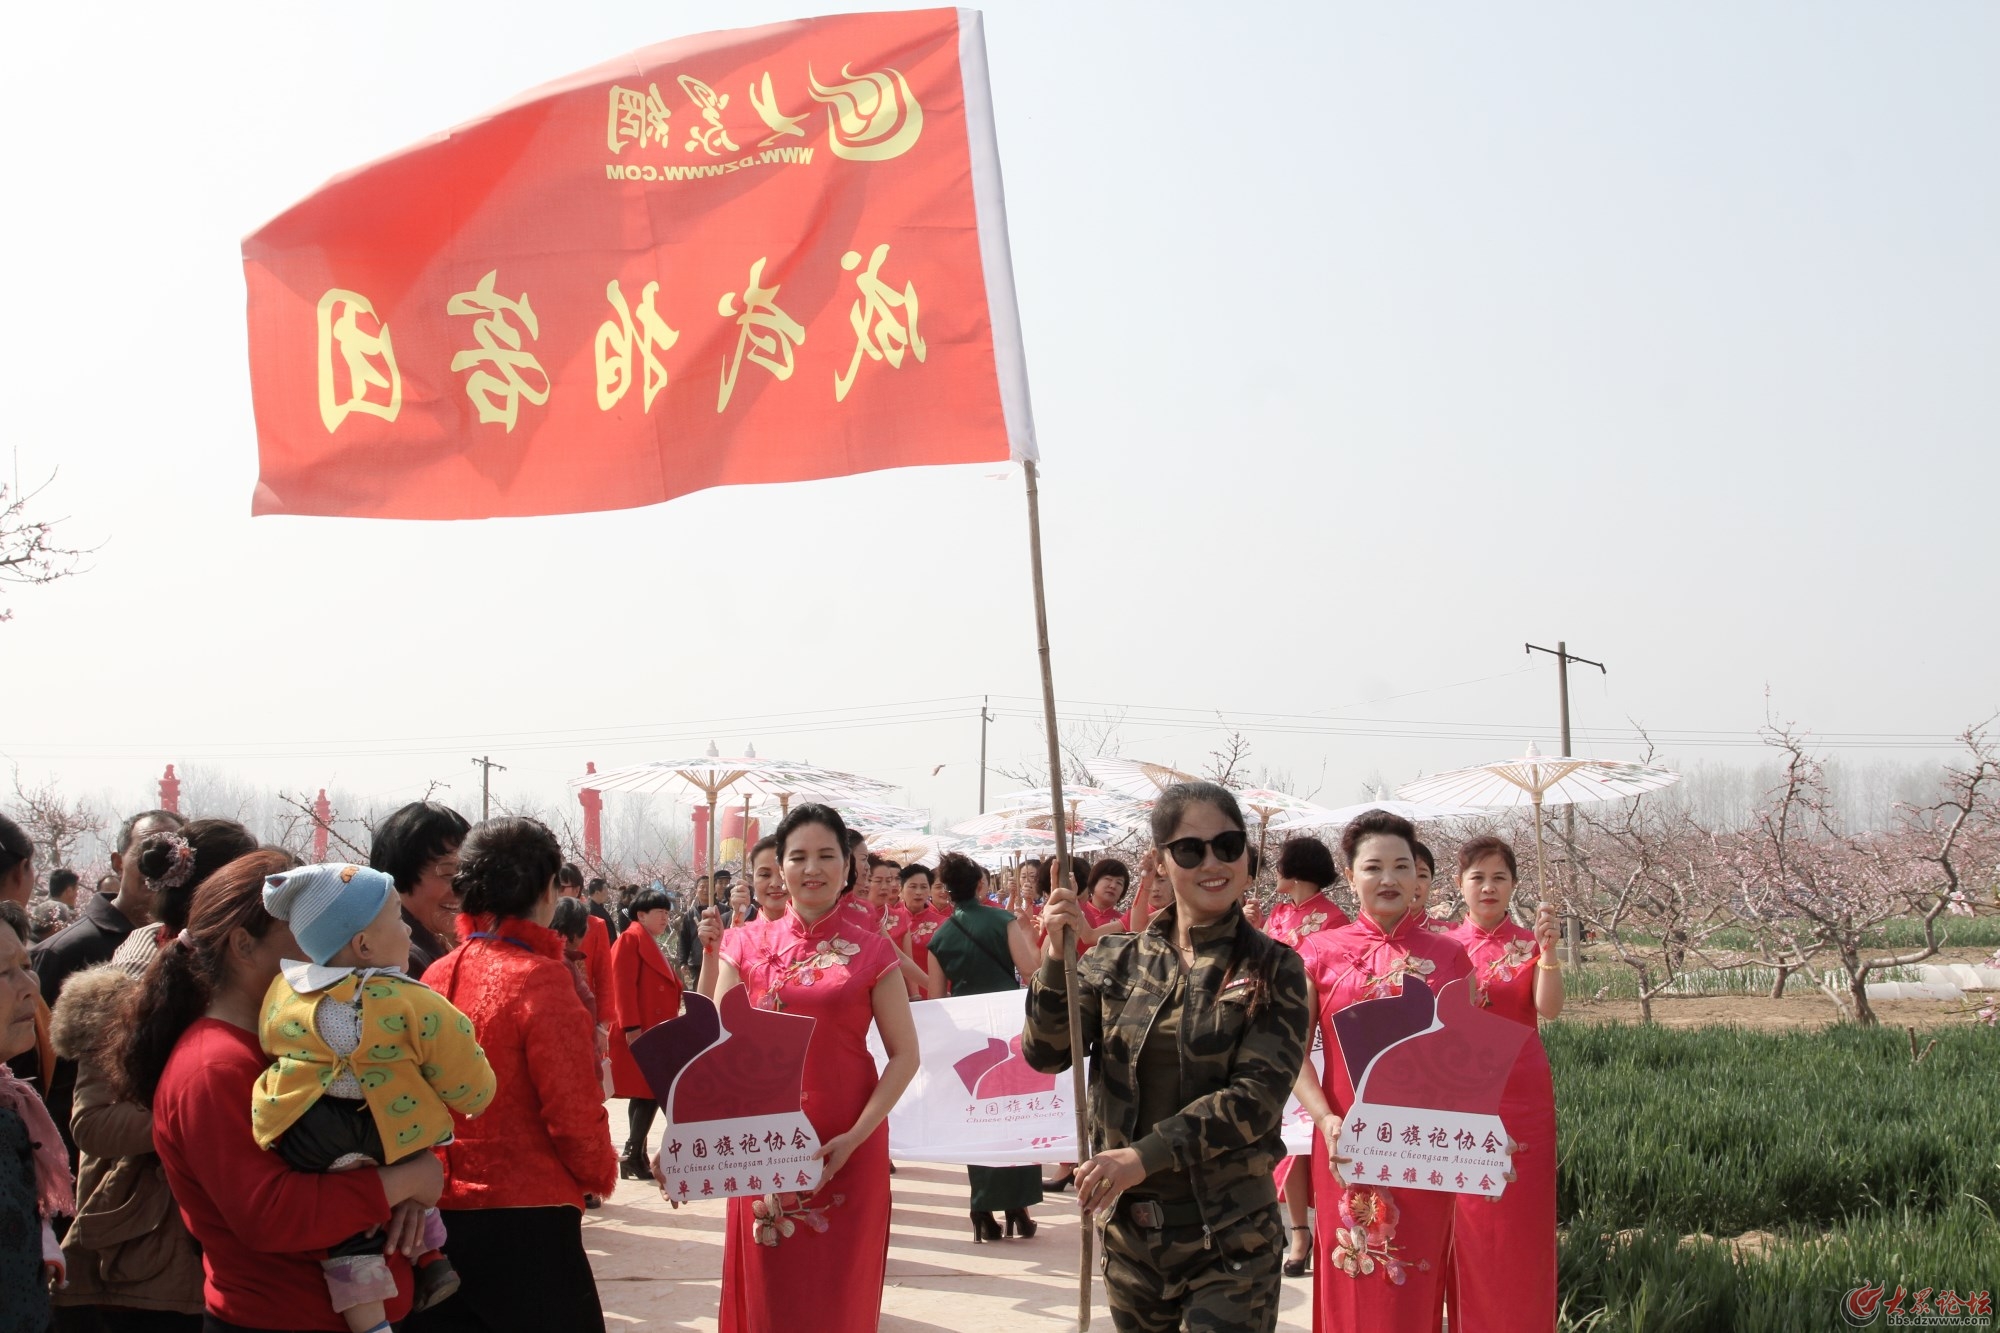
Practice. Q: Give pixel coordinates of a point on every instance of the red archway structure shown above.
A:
(322, 824)
(592, 802)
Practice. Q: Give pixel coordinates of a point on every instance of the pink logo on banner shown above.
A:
(999, 1070)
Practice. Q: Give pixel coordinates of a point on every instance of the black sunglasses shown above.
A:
(1228, 847)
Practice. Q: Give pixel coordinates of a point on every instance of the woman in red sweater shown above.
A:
(516, 1177)
(191, 1052)
(644, 991)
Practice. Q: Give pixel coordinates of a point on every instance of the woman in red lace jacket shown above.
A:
(644, 991)
(516, 1177)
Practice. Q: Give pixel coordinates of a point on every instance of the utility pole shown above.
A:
(984, 718)
(486, 767)
(1572, 924)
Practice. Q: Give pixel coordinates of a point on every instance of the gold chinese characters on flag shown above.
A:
(767, 255)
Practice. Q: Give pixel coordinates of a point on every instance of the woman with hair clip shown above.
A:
(1500, 1275)
(174, 865)
(822, 960)
(190, 1050)
(1195, 1029)
(130, 1256)
(979, 950)
(1397, 1284)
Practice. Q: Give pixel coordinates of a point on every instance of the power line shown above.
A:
(926, 712)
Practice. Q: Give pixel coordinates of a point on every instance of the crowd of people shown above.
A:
(243, 1093)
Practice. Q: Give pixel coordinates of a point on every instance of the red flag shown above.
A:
(767, 255)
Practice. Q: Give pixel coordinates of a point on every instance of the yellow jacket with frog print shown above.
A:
(418, 1062)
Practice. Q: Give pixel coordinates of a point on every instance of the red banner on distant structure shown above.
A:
(767, 255)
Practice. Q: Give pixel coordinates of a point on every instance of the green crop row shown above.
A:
(1721, 1130)
(1654, 1281)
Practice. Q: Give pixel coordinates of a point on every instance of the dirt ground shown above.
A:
(1806, 1011)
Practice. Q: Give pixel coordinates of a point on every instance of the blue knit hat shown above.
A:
(327, 905)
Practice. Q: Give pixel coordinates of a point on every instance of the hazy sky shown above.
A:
(1366, 343)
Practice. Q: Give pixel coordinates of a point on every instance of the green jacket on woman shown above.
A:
(1237, 1066)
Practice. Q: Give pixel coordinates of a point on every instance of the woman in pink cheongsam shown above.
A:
(1500, 1276)
(1394, 1281)
(1305, 873)
(822, 1263)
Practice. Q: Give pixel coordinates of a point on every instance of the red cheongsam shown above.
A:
(1500, 1276)
(1288, 923)
(829, 1281)
(1354, 963)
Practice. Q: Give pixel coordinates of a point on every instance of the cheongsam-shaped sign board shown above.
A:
(1428, 1070)
(730, 1082)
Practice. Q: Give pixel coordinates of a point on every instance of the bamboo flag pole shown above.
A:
(1065, 945)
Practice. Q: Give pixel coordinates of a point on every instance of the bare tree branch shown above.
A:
(29, 550)
(57, 825)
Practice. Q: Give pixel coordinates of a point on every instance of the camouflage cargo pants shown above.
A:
(1165, 1281)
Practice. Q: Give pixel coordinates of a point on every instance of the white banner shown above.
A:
(752, 1155)
(974, 1100)
(1414, 1147)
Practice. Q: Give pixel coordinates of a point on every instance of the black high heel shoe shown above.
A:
(984, 1228)
(1300, 1267)
(1020, 1224)
(634, 1166)
(1061, 1182)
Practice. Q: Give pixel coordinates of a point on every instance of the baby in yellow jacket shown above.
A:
(367, 1068)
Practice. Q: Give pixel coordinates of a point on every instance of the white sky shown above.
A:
(1367, 342)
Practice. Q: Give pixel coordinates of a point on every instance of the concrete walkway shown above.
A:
(658, 1268)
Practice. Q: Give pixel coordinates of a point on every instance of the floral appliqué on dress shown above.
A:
(805, 971)
(1368, 1218)
(1391, 982)
(833, 952)
(1503, 968)
(777, 1216)
(1313, 923)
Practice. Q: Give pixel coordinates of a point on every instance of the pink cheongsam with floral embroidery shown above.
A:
(1378, 1252)
(829, 1270)
(1500, 1275)
(1289, 923)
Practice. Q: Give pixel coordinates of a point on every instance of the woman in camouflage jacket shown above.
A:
(1195, 1028)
